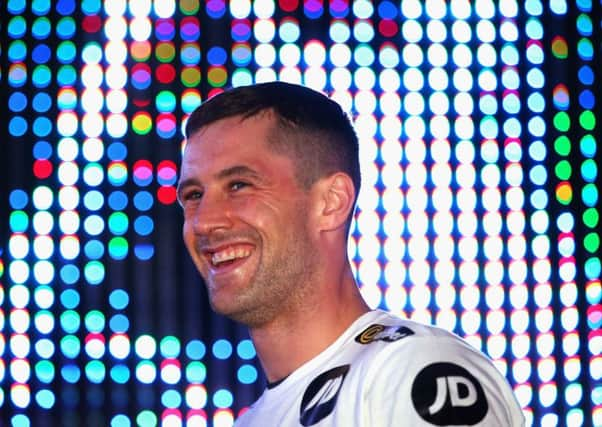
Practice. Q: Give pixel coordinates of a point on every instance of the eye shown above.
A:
(238, 185)
(192, 195)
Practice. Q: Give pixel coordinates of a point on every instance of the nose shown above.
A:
(210, 214)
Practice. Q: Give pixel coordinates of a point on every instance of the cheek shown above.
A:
(187, 233)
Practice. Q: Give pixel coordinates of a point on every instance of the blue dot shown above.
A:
(17, 126)
(119, 323)
(143, 225)
(144, 251)
(387, 10)
(143, 200)
(41, 29)
(94, 249)
(94, 200)
(69, 274)
(18, 199)
(586, 75)
(41, 54)
(587, 99)
(17, 102)
(120, 374)
(65, 7)
(117, 151)
(91, 7)
(70, 298)
(247, 374)
(70, 373)
(42, 126)
(118, 200)
(245, 349)
(17, 51)
(40, 7)
(42, 102)
(66, 75)
(42, 150)
(66, 52)
(171, 399)
(16, 7)
(223, 399)
(17, 27)
(65, 28)
(217, 56)
(119, 299)
(222, 349)
(195, 349)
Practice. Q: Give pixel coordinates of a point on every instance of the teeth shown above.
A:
(229, 255)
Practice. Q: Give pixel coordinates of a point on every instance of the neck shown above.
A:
(301, 333)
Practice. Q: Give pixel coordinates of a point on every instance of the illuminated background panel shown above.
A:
(479, 211)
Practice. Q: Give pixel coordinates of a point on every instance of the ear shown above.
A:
(336, 197)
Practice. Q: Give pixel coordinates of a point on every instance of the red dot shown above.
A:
(387, 27)
(213, 92)
(166, 194)
(165, 73)
(92, 24)
(289, 5)
(42, 168)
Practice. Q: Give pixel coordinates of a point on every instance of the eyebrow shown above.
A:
(233, 171)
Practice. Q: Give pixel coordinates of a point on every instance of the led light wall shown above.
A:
(480, 208)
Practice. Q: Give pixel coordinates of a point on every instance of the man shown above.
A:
(269, 179)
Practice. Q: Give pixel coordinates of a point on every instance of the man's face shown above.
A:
(245, 220)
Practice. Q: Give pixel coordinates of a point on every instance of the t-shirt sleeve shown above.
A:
(437, 381)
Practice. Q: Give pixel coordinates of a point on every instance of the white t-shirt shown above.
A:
(385, 371)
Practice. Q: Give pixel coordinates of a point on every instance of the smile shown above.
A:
(229, 255)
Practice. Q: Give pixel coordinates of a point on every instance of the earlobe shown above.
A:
(338, 196)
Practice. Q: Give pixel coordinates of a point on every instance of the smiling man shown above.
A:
(269, 180)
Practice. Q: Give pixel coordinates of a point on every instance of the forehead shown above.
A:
(229, 142)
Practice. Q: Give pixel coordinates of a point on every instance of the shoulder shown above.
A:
(431, 374)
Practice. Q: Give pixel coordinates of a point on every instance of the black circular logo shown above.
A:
(447, 394)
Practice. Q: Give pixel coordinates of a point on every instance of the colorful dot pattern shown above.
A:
(480, 208)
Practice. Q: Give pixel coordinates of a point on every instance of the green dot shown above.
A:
(118, 223)
(562, 121)
(562, 145)
(591, 217)
(95, 321)
(19, 221)
(94, 272)
(165, 101)
(592, 242)
(44, 371)
(118, 248)
(587, 120)
(563, 170)
(146, 419)
(196, 372)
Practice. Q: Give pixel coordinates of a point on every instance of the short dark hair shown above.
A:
(311, 127)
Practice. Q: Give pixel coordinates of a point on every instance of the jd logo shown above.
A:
(447, 394)
(321, 395)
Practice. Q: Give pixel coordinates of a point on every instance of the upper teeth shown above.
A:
(229, 254)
